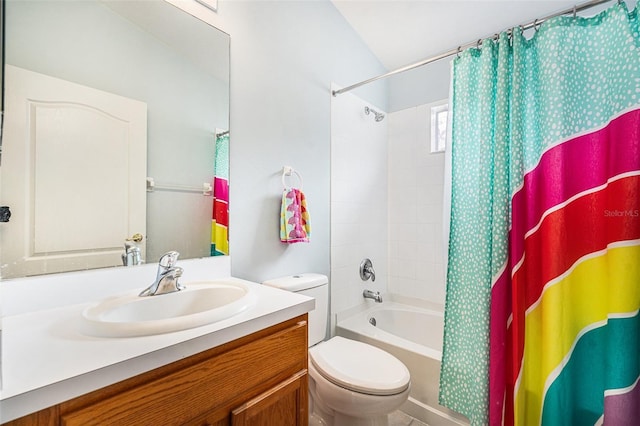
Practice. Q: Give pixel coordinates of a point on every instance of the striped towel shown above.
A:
(294, 217)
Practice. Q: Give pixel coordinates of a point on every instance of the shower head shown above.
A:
(378, 115)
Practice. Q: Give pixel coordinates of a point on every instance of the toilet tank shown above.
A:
(312, 285)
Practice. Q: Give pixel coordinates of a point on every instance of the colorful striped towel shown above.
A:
(294, 217)
(220, 218)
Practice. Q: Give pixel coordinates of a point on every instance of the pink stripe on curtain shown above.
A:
(567, 163)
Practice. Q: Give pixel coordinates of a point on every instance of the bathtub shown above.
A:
(414, 336)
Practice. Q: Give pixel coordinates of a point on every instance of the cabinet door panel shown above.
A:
(282, 405)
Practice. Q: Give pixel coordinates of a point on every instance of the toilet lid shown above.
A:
(359, 367)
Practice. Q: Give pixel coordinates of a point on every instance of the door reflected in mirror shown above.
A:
(116, 119)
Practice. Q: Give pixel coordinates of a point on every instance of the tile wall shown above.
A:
(386, 204)
(359, 223)
(415, 188)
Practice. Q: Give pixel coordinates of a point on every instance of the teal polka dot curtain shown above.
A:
(543, 282)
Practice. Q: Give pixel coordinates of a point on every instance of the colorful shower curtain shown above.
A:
(220, 220)
(543, 283)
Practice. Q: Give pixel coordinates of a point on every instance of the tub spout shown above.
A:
(375, 295)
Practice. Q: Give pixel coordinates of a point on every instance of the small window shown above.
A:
(439, 115)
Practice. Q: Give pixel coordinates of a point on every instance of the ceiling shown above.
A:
(402, 32)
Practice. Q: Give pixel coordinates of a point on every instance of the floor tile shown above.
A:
(398, 418)
(417, 422)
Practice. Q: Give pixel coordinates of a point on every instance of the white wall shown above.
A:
(358, 200)
(416, 247)
(284, 55)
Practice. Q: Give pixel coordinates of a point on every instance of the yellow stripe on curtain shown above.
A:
(579, 300)
(219, 237)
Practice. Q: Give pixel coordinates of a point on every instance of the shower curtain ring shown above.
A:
(458, 52)
(574, 11)
(535, 24)
(479, 44)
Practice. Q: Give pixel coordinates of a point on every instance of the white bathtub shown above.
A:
(414, 336)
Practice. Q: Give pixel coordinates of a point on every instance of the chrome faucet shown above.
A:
(132, 255)
(375, 295)
(167, 276)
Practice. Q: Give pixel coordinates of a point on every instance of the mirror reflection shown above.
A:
(115, 135)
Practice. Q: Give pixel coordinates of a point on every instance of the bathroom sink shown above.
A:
(200, 303)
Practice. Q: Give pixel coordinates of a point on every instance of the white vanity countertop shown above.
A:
(47, 360)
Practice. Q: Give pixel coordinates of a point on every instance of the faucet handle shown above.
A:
(169, 259)
(366, 270)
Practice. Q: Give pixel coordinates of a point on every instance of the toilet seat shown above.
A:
(359, 367)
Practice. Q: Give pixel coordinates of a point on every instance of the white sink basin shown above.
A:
(201, 303)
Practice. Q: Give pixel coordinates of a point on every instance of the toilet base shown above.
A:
(315, 420)
(321, 415)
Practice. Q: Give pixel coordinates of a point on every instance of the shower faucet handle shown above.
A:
(366, 270)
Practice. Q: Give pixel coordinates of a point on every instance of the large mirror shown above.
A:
(116, 119)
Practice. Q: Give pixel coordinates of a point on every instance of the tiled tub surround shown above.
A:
(386, 204)
(358, 199)
(415, 191)
(47, 360)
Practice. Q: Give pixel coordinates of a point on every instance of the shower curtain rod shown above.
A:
(462, 47)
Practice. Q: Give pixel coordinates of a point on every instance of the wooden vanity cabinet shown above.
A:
(260, 379)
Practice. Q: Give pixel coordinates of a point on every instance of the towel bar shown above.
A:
(288, 171)
(206, 189)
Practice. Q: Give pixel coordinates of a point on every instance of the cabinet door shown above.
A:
(282, 405)
(205, 392)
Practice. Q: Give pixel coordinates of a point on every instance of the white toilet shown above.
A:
(350, 383)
